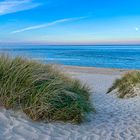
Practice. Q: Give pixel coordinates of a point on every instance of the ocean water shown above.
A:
(96, 56)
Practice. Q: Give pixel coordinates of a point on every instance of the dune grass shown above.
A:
(128, 86)
(42, 91)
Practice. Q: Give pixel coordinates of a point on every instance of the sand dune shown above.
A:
(116, 119)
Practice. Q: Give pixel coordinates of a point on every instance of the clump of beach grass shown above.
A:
(42, 91)
(128, 86)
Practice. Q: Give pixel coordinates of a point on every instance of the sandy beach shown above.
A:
(93, 70)
(115, 119)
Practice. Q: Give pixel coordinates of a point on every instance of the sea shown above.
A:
(125, 57)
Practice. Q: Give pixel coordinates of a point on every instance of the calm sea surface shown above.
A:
(97, 56)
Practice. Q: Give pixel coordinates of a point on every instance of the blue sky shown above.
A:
(70, 21)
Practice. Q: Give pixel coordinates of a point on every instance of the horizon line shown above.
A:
(29, 43)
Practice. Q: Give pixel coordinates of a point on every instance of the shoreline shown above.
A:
(94, 70)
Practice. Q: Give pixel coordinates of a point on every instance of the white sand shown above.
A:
(115, 119)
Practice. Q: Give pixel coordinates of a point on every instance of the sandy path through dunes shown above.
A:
(115, 119)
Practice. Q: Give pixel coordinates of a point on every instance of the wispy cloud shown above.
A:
(12, 6)
(47, 24)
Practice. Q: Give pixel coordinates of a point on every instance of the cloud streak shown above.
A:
(13, 6)
(47, 24)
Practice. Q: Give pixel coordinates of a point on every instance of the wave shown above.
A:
(58, 59)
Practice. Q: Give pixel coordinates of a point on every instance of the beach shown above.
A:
(94, 70)
(115, 119)
(69, 70)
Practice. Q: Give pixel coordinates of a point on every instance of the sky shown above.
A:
(72, 22)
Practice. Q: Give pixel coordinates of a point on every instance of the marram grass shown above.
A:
(41, 91)
(128, 86)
